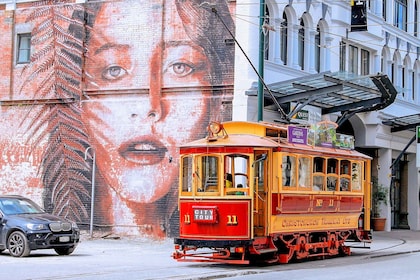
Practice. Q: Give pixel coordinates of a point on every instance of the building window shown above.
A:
(358, 59)
(413, 85)
(343, 56)
(353, 59)
(318, 49)
(24, 48)
(301, 45)
(266, 34)
(416, 19)
(394, 68)
(283, 38)
(384, 9)
(365, 62)
(400, 14)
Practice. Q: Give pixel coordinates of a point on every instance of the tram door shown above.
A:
(260, 192)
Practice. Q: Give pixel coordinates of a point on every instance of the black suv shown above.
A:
(24, 226)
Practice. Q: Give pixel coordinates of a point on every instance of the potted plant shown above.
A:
(379, 196)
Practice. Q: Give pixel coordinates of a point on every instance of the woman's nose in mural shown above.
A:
(155, 91)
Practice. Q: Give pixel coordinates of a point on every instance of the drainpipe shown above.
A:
(92, 199)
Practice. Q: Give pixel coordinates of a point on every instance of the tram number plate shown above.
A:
(204, 214)
(64, 238)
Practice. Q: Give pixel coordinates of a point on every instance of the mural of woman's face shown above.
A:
(139, 109)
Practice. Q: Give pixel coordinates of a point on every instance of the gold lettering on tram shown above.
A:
(232, 220)
(187, 219)
(319, 202)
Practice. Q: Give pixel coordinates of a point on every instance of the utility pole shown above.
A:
(261, 62)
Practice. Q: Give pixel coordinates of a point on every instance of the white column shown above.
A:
(384, 178)
(413, 193)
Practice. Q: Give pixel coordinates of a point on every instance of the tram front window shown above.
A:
(209, 174)
(236, 170)
(186, 174)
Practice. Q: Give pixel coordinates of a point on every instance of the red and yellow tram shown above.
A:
(271, 193)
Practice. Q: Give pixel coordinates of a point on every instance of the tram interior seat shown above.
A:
(211, 184)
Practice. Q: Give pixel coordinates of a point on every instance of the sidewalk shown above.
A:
(386, 243)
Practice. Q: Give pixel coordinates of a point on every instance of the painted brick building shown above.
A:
(95, 98)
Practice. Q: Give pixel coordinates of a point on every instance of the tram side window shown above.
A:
(304, 171)
(345, 175)
(318, 183)
(289, 171)
(187, 174)
(319, 164)
(332, 174)
(319, 174)
(356, 176)
(209, 174)
(332, 165)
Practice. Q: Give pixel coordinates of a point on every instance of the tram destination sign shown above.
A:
(205, 214)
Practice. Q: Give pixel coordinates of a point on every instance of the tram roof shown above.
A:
(247, 140)
(234, 140)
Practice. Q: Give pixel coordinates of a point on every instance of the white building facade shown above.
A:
(306, 37)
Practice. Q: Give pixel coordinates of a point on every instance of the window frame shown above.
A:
(400, 14)
(23, 53)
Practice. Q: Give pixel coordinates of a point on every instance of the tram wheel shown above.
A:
(333, 244)
(302, 248)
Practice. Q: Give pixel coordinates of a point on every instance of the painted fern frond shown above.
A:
(56, 68)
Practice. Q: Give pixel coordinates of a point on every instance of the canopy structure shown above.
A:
(409, 122)
(342, 92)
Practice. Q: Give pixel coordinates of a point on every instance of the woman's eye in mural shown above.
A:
(113, 72)
(180, 68)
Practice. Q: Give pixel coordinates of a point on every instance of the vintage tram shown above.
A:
(271, 193)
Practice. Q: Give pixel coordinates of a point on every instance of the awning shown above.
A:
(409, 122)
(342, 92)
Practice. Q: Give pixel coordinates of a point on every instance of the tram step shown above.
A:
(267, 250)
(263, 245)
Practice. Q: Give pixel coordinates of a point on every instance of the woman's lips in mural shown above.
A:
(146, 152)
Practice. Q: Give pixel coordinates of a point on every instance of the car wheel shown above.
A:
(17, 243)
(64, 250)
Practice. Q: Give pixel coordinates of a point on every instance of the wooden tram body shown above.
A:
(248, 194)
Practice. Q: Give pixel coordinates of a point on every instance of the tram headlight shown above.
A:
(215, 127)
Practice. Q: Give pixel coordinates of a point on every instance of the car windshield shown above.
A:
(12, 206)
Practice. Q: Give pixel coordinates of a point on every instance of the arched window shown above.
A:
(283, 39)
(400, 14)
(266, 34)
(405, 79)
(301, 45)
(395, 73)
(416, 19)
(343, 56)
(318, 49)
(384, 9)
(385, 57)
(415, 82)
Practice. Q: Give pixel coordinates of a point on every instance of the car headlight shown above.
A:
(36, 226)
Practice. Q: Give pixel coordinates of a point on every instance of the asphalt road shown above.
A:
(128, 259)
